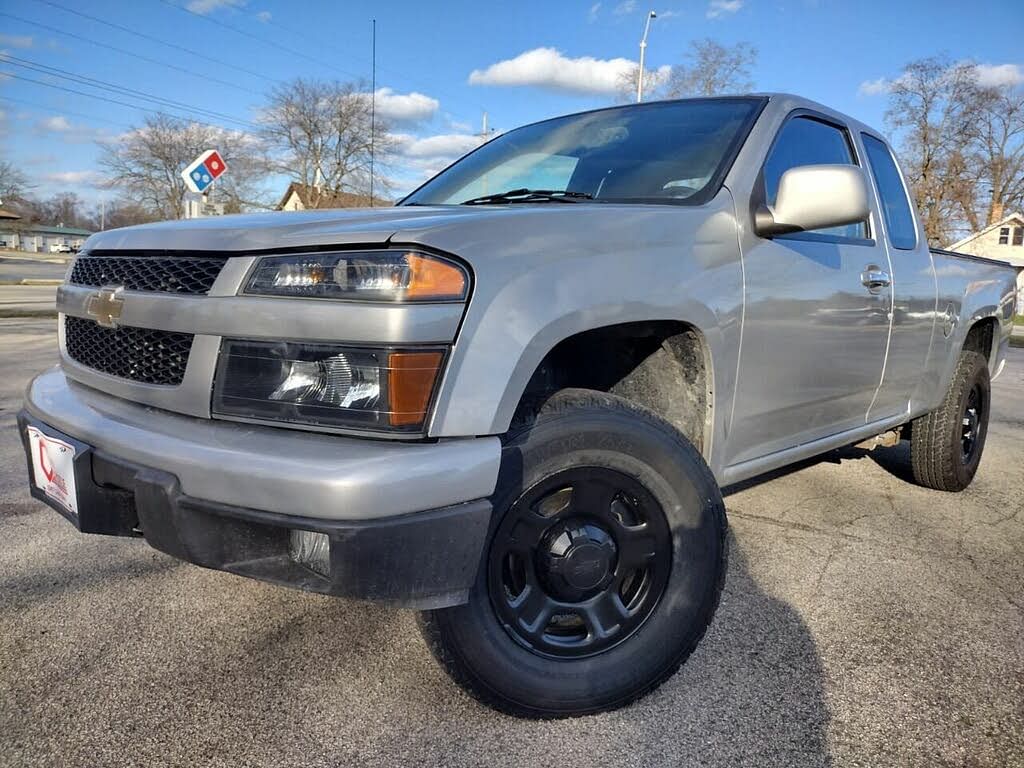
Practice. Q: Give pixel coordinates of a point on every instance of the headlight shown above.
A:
(394, 275)
(326, 384)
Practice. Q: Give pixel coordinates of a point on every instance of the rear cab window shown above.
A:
(892, 194)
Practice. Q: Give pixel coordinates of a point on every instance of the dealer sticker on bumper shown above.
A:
(53, 470)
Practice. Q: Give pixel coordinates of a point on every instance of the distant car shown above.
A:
(60, 248)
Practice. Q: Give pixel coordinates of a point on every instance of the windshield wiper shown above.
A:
(525, 195)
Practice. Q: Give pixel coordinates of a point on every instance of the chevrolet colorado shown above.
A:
(511, 400)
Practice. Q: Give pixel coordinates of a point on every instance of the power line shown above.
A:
(306, 36)
(118, 89)
(107, 99)
(125, 52)
(151, 38)
(260, 39)
(61, 111)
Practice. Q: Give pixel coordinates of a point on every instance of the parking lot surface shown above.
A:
(865, 621)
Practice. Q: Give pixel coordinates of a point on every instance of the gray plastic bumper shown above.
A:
(284, 471)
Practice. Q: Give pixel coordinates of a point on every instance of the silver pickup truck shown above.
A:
(511, 400)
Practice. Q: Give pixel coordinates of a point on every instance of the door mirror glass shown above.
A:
(812, 197)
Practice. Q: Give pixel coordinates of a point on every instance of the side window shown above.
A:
(806, 141)
(1018, 235)
(899, 219)
(1004, 236)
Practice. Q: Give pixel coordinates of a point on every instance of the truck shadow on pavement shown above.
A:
(752, 694)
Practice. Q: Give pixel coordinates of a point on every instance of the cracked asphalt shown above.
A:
(865, 622)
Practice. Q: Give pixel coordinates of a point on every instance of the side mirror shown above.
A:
(815, 197)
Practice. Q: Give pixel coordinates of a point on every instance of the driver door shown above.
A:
(814, 335)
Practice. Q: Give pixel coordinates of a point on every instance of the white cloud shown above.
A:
(73, 133)
(669, 14)
(548, 68)
(443, 146)
(719, 8)
(76, 178)
(405, 107)
(592, 13)
(994, 75)
(874, 87)
(58, 123)
(16, 41)
(204, 7)
(625, 7)
(264, 16)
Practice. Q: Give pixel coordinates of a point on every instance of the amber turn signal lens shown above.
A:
(411, 377)
(434, 279)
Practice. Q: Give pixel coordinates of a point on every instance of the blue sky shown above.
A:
(441, 64)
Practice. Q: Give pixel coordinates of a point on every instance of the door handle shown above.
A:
(874, 279)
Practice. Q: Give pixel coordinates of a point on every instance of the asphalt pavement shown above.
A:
(865, 622)
(16, 266)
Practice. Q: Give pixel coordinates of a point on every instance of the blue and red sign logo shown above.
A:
(204, 170)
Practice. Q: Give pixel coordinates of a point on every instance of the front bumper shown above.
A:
(406, 523)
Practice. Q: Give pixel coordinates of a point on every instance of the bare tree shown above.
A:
(121, 212)
(146, 164)
(712, 69)
(932, 108)
(997, 156)
(627, 82)
(14, 185)
(320, 136)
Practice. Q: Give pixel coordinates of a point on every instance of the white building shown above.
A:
(1003, 240)
(36, 238)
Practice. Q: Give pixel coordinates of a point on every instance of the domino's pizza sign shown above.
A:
(202, 172)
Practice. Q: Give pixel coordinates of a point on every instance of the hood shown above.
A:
(476, 233)
(281, 229)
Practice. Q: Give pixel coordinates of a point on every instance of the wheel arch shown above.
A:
(665, 365)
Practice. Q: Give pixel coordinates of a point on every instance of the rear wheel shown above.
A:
(946, 444)
(604, 565)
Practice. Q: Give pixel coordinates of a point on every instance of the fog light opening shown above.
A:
(312, 550)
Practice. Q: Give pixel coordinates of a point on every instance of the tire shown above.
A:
(942, 454)
(626, 614)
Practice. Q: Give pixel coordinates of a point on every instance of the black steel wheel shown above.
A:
(579, 562)
(970, 422)
(604, 565)
(946, 444)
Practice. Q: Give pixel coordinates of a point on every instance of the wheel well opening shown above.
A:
(661, 365)
(980, 336)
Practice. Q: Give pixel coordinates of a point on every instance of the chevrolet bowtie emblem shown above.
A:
(105, 306)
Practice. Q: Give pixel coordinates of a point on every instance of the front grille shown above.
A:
(139, 354)
(179, 274)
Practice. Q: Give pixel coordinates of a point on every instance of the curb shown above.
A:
(33, 281)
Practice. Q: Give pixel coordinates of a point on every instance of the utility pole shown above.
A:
(373, 99)
(643, 50)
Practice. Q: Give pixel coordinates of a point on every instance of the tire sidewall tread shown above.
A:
(587, 428)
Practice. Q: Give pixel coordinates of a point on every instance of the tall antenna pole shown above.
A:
(373, 101)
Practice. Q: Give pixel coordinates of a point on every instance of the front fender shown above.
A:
(621, 265)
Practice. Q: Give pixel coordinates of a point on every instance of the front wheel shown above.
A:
(604, 566)
(946, 444)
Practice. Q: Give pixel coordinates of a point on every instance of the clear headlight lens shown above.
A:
(395, 275)
(326, 384)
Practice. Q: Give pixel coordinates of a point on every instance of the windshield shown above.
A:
(662, 152)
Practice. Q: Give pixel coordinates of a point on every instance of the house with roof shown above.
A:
(302, 197)
(16, 234)
(1004, 241)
